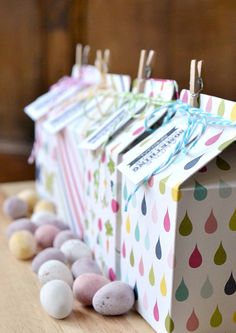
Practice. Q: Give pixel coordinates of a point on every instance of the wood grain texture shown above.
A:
(20, 310)
(178, 30)
(20, 61)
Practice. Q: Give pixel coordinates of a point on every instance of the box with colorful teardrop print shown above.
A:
(178, 233)
(102, 227)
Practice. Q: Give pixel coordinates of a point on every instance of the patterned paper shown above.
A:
(102, 187)
(50, 182)
(178, 237)
(72, 160)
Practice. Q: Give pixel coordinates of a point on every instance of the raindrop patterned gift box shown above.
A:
(178, 233)
(102, 182)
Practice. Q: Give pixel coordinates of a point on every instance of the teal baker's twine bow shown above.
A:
(197, 122)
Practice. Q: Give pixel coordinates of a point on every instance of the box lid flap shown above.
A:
(148, 155)
(162, 90)
(86, 101)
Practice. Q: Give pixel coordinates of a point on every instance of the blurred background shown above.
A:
(38, 39)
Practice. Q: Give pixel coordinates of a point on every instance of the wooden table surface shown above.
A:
(20, 310)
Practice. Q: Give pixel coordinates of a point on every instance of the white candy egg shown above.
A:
(54, 270)
(56, 298)
(75, 249)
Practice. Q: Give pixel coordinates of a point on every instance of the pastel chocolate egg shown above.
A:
(75, 249)
(39, 217)
(20, 224)
(42, 218)
(30, 196)
(62, 237)
(86, 286)
(85, 265)
(56, 298)
(56, 222)
(48, 254)
(45, 235)
(115, 298)
(22, 245)
(54, 270)
(45, 206)
(15, 208)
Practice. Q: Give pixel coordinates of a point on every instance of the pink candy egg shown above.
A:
(45, 235)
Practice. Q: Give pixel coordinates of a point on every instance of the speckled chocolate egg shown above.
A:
(45, 206)
(115, 298)
(48, 254)
(22, 245)
(75, 249)
(56, 298)
(54, 270)
(45, 235)
(30, 196)
(86, 286)
(85, 265)
(20, 224)
(15, 208)
(63, 236)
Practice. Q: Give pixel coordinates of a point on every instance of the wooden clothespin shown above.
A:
(81, 55)
(102, 63)
(196, 82)
(144, 69)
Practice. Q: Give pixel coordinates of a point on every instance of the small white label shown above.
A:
(59, 121)
(143, 159)
(118, 119)
(42, 105)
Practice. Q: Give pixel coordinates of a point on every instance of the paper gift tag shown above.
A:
(42, 105)
(57, 122)
(85, 101)
(144, 158)
(118, 119)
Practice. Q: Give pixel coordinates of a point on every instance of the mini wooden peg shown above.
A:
(196, 83)
(102, 63)
(144, 69)
(78, 55)
(85, 54)
(81, 55)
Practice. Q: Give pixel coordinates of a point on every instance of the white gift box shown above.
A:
(49, 181)
(69, 127)
(178, 233)
(102, 181)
